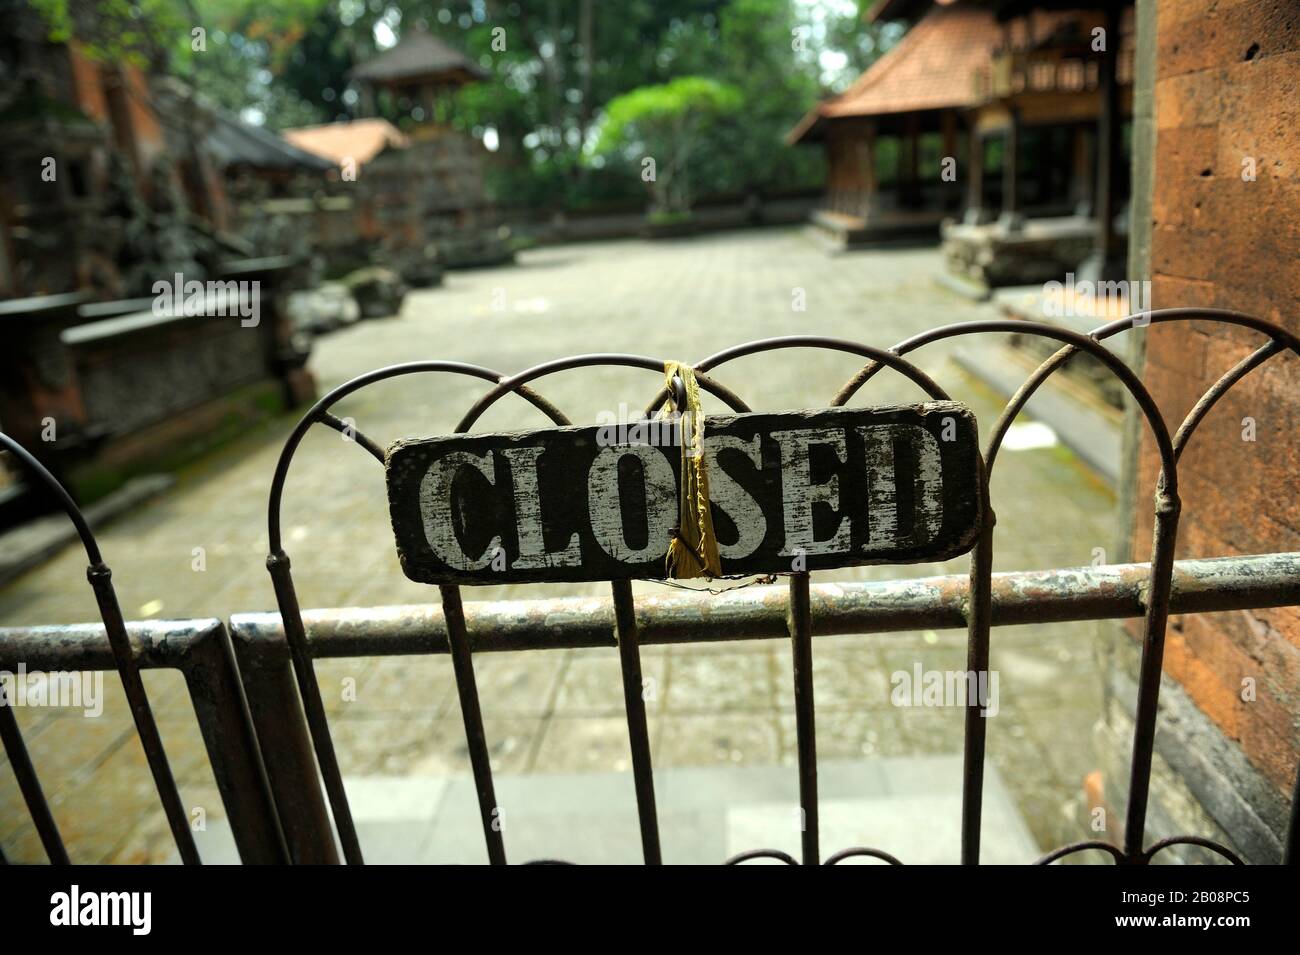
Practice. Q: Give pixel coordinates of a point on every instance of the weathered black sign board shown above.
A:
(798, 490)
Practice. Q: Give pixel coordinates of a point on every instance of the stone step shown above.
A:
(907, 806)
(1090, 433)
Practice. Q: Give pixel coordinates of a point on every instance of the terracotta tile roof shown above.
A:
(361, 140)
(899, 9)
(930, 68)
(419, 54)
(235, 142)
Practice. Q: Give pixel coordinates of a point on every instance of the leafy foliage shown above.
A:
(557, 67)
(663, 125)
(141, 32)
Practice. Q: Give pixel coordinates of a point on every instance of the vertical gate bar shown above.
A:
(314, 709)
(799, 624)
(285, 741)
(979, 620)
(101, 581)
(1152, 666)
(475, 738)
(29, 783)
(629, 655)
(233, 751)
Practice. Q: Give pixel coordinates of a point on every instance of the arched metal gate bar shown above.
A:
(985, 599)
(101, 581)
(978, 616)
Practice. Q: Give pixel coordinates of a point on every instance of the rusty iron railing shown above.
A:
(277, 771)
(978, 600)
(200, 649)
(1107, 592)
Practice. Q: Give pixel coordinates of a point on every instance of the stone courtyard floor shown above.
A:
(561, 712)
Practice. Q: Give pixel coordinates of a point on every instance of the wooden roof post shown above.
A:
(1105, 263)
(870, 204)
(1080, 172)
(913, 168)
(1011, 218)
(949, 192)
(974, 175)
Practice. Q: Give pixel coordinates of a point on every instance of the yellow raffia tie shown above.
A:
(694, 550)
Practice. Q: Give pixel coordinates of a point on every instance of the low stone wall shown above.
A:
(631, 222)
(845, 232)
(102, 392)
(1043, 250)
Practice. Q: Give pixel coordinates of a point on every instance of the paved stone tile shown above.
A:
(721, 738)
(848, 734)
(151, 841)
(932, 731)
(593, 685)
(586, 744)
(1066, 738)
(842, 679)
(721, 682)
(724, 703)
(901, 661)
(63, 761)
(1052, 797)
(99, 808)
(64, 752)
(391, 686)
(423, 746)
(518, 683)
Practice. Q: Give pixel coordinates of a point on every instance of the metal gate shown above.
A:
(264, 723)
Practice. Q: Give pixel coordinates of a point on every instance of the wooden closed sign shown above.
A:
(799, 490)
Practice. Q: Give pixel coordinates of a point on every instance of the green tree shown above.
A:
(662, 127)
(555, 66)
(250, 63)
(861, 43)
(140, 32)
(768, 53)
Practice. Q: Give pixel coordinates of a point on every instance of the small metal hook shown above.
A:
(679, 394)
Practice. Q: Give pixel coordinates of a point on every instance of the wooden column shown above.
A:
(949, 191)
(1081, 172)
(869, 205)
(1105, 262)
(974, 175)
(910, 157)
(428, 98)
(839, 159)
(1011, 217)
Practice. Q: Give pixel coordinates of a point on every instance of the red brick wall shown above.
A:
(1228, 89)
